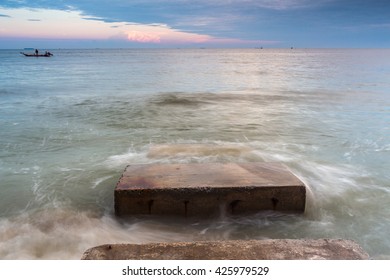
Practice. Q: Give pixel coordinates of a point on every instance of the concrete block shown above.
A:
(206, 189)
(271, 249)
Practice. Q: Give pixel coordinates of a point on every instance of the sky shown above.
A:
(194, 23)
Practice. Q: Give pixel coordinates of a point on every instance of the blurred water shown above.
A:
(71, 123)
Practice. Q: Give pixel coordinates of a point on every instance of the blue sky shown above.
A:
(191, 23)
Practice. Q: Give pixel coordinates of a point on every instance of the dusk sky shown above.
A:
(194, 23)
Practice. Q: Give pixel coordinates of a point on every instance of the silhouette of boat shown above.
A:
(37, 55)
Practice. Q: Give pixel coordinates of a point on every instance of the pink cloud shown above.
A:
(143, 37)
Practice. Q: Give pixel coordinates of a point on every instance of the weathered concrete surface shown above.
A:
(204, 189)
(273, 249)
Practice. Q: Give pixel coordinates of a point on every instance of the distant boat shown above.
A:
(47, 54)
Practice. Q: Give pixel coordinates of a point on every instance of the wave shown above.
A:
(177, 98)
(67, 233)
(343, 201)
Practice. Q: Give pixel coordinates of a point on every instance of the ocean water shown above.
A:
(70, 124)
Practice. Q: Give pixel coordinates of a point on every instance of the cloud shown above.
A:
(237, 22)
(385, 25)
(51, 24)
(161, 34)
(93, 18)
(58, 24)
(191, 4)
(143, 37)
(284, 4)
(240, 19)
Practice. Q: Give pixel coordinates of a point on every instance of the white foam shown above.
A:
(197, 150)
(66, 234)
(122, 160)
(100, 180)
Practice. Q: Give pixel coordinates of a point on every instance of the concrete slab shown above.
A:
(206, 189)
(283, 249)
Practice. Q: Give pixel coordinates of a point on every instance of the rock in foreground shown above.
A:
(271, 249)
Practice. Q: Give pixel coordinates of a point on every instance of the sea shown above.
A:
(71, 123)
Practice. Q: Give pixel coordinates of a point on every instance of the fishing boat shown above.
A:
(47, 54)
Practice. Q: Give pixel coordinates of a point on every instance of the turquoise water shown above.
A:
(71, 123)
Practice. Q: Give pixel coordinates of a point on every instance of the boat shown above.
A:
(47, 54)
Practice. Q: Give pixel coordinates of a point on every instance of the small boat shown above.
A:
(47, 54)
